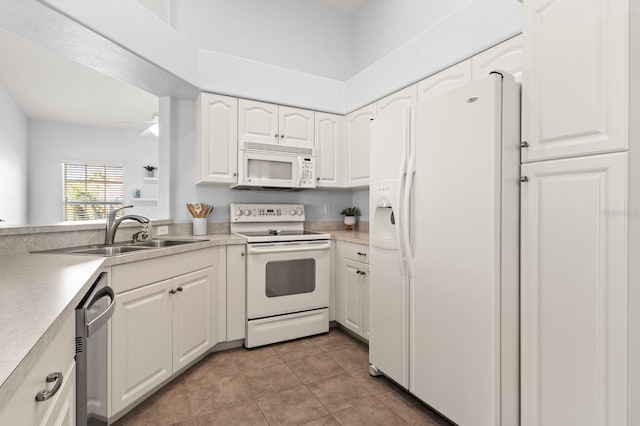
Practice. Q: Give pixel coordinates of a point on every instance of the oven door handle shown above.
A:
(287, 248)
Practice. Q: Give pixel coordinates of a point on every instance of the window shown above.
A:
(92, 190)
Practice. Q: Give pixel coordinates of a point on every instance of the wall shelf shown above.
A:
(144, 200)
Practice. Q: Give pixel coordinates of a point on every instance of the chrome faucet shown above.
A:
(113, 223)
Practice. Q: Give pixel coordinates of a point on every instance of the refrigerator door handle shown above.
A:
(406, 199)
(399, 212)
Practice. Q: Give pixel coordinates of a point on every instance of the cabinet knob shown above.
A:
(275, 136)
(524, 144)
(180, 289)
(524, 179)
(242, 254)
(361, 254)
(172, 291)
(281, 136)
(364, 273)
(318, 179)
(46, 394)
(235, 174)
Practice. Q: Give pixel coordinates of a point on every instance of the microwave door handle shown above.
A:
(299, 171)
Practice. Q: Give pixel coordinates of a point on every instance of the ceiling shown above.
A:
(348, 7)
(47, 86)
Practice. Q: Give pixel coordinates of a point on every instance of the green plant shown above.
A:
(150, 168)
(351, 211)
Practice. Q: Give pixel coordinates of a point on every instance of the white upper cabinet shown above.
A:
(258, 122)
(296, 127)
(447, 79)
(575, 80)
(328, 129)
(401, 99)
(357, 127)
(574, 292)
(217, 144)
(506, 56)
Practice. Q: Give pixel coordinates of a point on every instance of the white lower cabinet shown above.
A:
(193, 319)
(57, 357)
(141, 342)
(352, 289)
(63, 410)
(160, 328)
(236, 292)
(575, 292)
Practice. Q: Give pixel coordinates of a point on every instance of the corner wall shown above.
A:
(14, 142)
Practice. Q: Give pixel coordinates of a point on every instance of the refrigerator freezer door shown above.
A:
(388, 291)
(456, 292)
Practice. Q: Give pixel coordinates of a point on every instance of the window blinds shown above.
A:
(91, 190)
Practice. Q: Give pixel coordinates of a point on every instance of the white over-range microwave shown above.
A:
(260, 169)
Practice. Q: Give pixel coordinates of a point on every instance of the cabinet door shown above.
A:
(352, 296)
(193, 319)
(364, 277)
(257, 122)
(574, 88)
(447, 79)
(296, 127)
(574, 292)
(506, 56)
(357, 125)
(328, 154)
(217, 139)
(401, 99)
(236, 290)
(63, 410)
(141, 342)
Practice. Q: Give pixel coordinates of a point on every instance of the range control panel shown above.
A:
(266, 213)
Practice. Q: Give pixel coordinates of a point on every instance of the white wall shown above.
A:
(380, 26)
(184, 190)
(13, 161)
(53, 143)
(302, 35)
(476, 26)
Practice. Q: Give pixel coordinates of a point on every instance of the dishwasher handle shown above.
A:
(288, 248)
(100, 320)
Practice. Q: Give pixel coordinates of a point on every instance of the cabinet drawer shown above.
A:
(57, 356)
(357, 252)
(137, 274)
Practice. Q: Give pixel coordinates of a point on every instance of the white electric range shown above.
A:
(287, 273)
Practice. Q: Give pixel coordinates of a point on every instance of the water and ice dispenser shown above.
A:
(384, 214)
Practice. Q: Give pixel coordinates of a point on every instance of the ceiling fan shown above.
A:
(152, 125)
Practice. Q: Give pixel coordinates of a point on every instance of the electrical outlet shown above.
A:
(162, 230)
(327, 209)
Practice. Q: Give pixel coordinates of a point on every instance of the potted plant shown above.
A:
(350, 214)
(151, 171)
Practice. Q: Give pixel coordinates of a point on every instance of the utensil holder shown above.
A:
(199, 226)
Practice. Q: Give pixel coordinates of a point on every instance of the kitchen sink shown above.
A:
(163, 243)
(121, 248)
(107, 250)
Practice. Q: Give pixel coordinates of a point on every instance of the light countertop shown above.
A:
(358, 237)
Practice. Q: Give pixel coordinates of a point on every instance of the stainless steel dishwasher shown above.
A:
(92, 315)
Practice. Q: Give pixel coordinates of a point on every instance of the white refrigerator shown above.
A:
(444, 247)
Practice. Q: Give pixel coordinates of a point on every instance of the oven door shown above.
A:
(287, 277)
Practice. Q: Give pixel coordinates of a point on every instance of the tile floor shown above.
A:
(320, 380)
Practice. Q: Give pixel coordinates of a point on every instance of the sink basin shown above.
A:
(107, 250)
(164, 243)
(122, 248)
